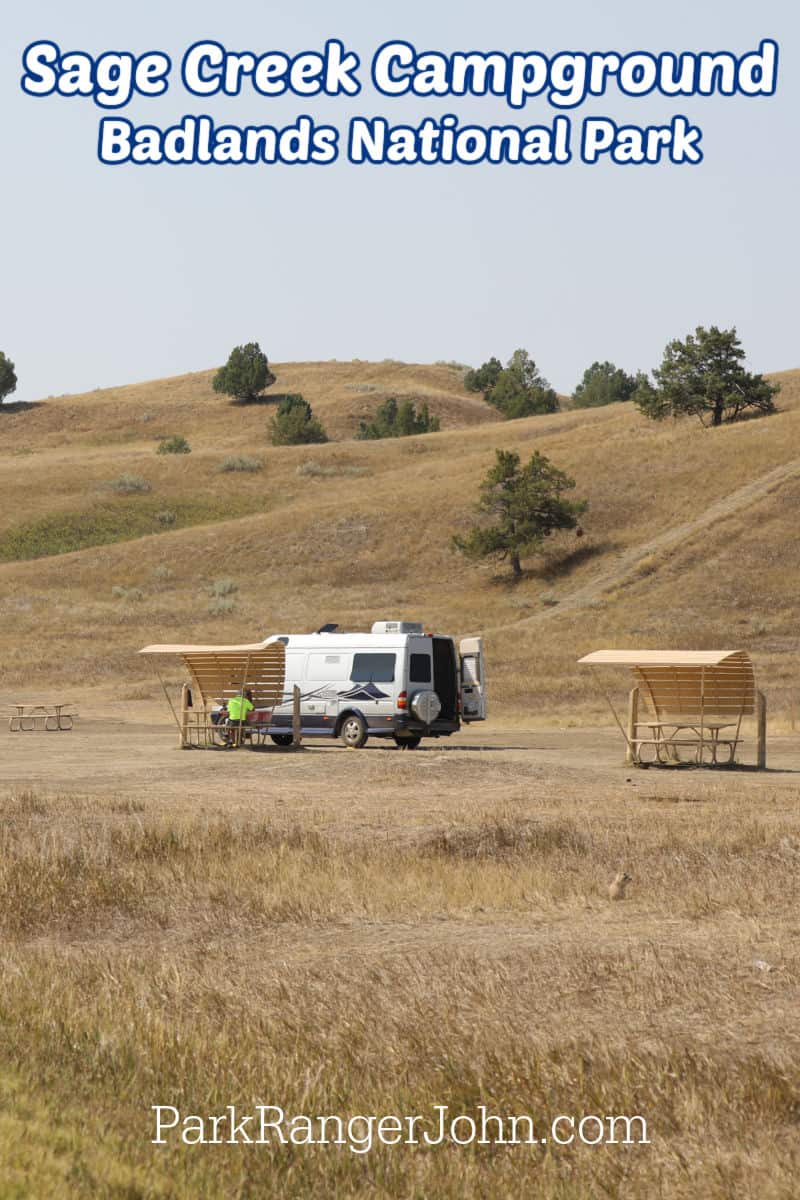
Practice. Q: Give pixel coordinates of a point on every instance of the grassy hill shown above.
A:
(689, 533)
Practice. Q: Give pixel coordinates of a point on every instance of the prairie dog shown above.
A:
(616, 889)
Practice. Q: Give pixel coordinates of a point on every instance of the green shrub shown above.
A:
(393, 420)
(166, 517)
(603, 383)
(521, 390)
(294, 424)
(174, 445)
(516, 390)
(241, 462)
(483, 378)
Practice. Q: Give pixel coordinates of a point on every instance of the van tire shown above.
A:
(407, 743)
(282, 739)
(353, 731)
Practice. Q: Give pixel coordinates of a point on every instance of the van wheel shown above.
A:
(353, 731)
(407, 743)
(282, 739)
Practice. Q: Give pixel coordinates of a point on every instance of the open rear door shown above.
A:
(473, 680)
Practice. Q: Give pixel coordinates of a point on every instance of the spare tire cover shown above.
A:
(426, 706)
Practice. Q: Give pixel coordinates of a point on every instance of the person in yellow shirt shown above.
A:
(238, 709)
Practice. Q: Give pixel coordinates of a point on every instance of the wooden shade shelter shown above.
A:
(697, 700)
(219, 672)
(223, 671)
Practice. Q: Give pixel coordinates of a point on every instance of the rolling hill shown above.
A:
(690, 539)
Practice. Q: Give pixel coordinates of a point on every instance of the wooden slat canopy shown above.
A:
(688, 683)
(218, 671)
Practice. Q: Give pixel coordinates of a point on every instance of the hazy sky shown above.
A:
(113, 275)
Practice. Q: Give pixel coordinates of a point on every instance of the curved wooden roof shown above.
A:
(688, 683)
(661, 658)
(219, 672)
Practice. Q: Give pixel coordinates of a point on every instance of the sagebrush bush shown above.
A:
(220, 606)
(129, 485)
(119, 592)
(224, 587)
(315, 470)
(241, 462)
(174, 445)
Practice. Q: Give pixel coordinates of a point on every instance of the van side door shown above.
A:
(327, 674)
(473, 680)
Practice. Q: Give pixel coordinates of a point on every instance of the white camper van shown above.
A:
(396, 681)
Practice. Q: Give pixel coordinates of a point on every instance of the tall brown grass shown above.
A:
(202, 962)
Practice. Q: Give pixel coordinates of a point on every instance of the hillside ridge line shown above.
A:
(627, 563)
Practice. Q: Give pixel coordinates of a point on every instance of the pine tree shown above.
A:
(704, 376)
(525, 505)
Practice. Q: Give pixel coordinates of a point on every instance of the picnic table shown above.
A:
(700, 741)
(698, 702)
(27, 717)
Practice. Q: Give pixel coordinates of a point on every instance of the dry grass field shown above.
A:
(379, 932)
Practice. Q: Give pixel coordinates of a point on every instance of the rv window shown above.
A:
(373, 668)
(327, 667)
(420, 669)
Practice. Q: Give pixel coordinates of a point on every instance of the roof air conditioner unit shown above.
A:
(397, 627)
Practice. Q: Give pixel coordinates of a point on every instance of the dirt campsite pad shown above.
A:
(133, 755)
(385, 931)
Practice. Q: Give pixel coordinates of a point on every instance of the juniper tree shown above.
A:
(521, 390)
(294, 424)
(398, 420)
(8, 377)
(245, 375)
(603, 383)
(484, 377)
